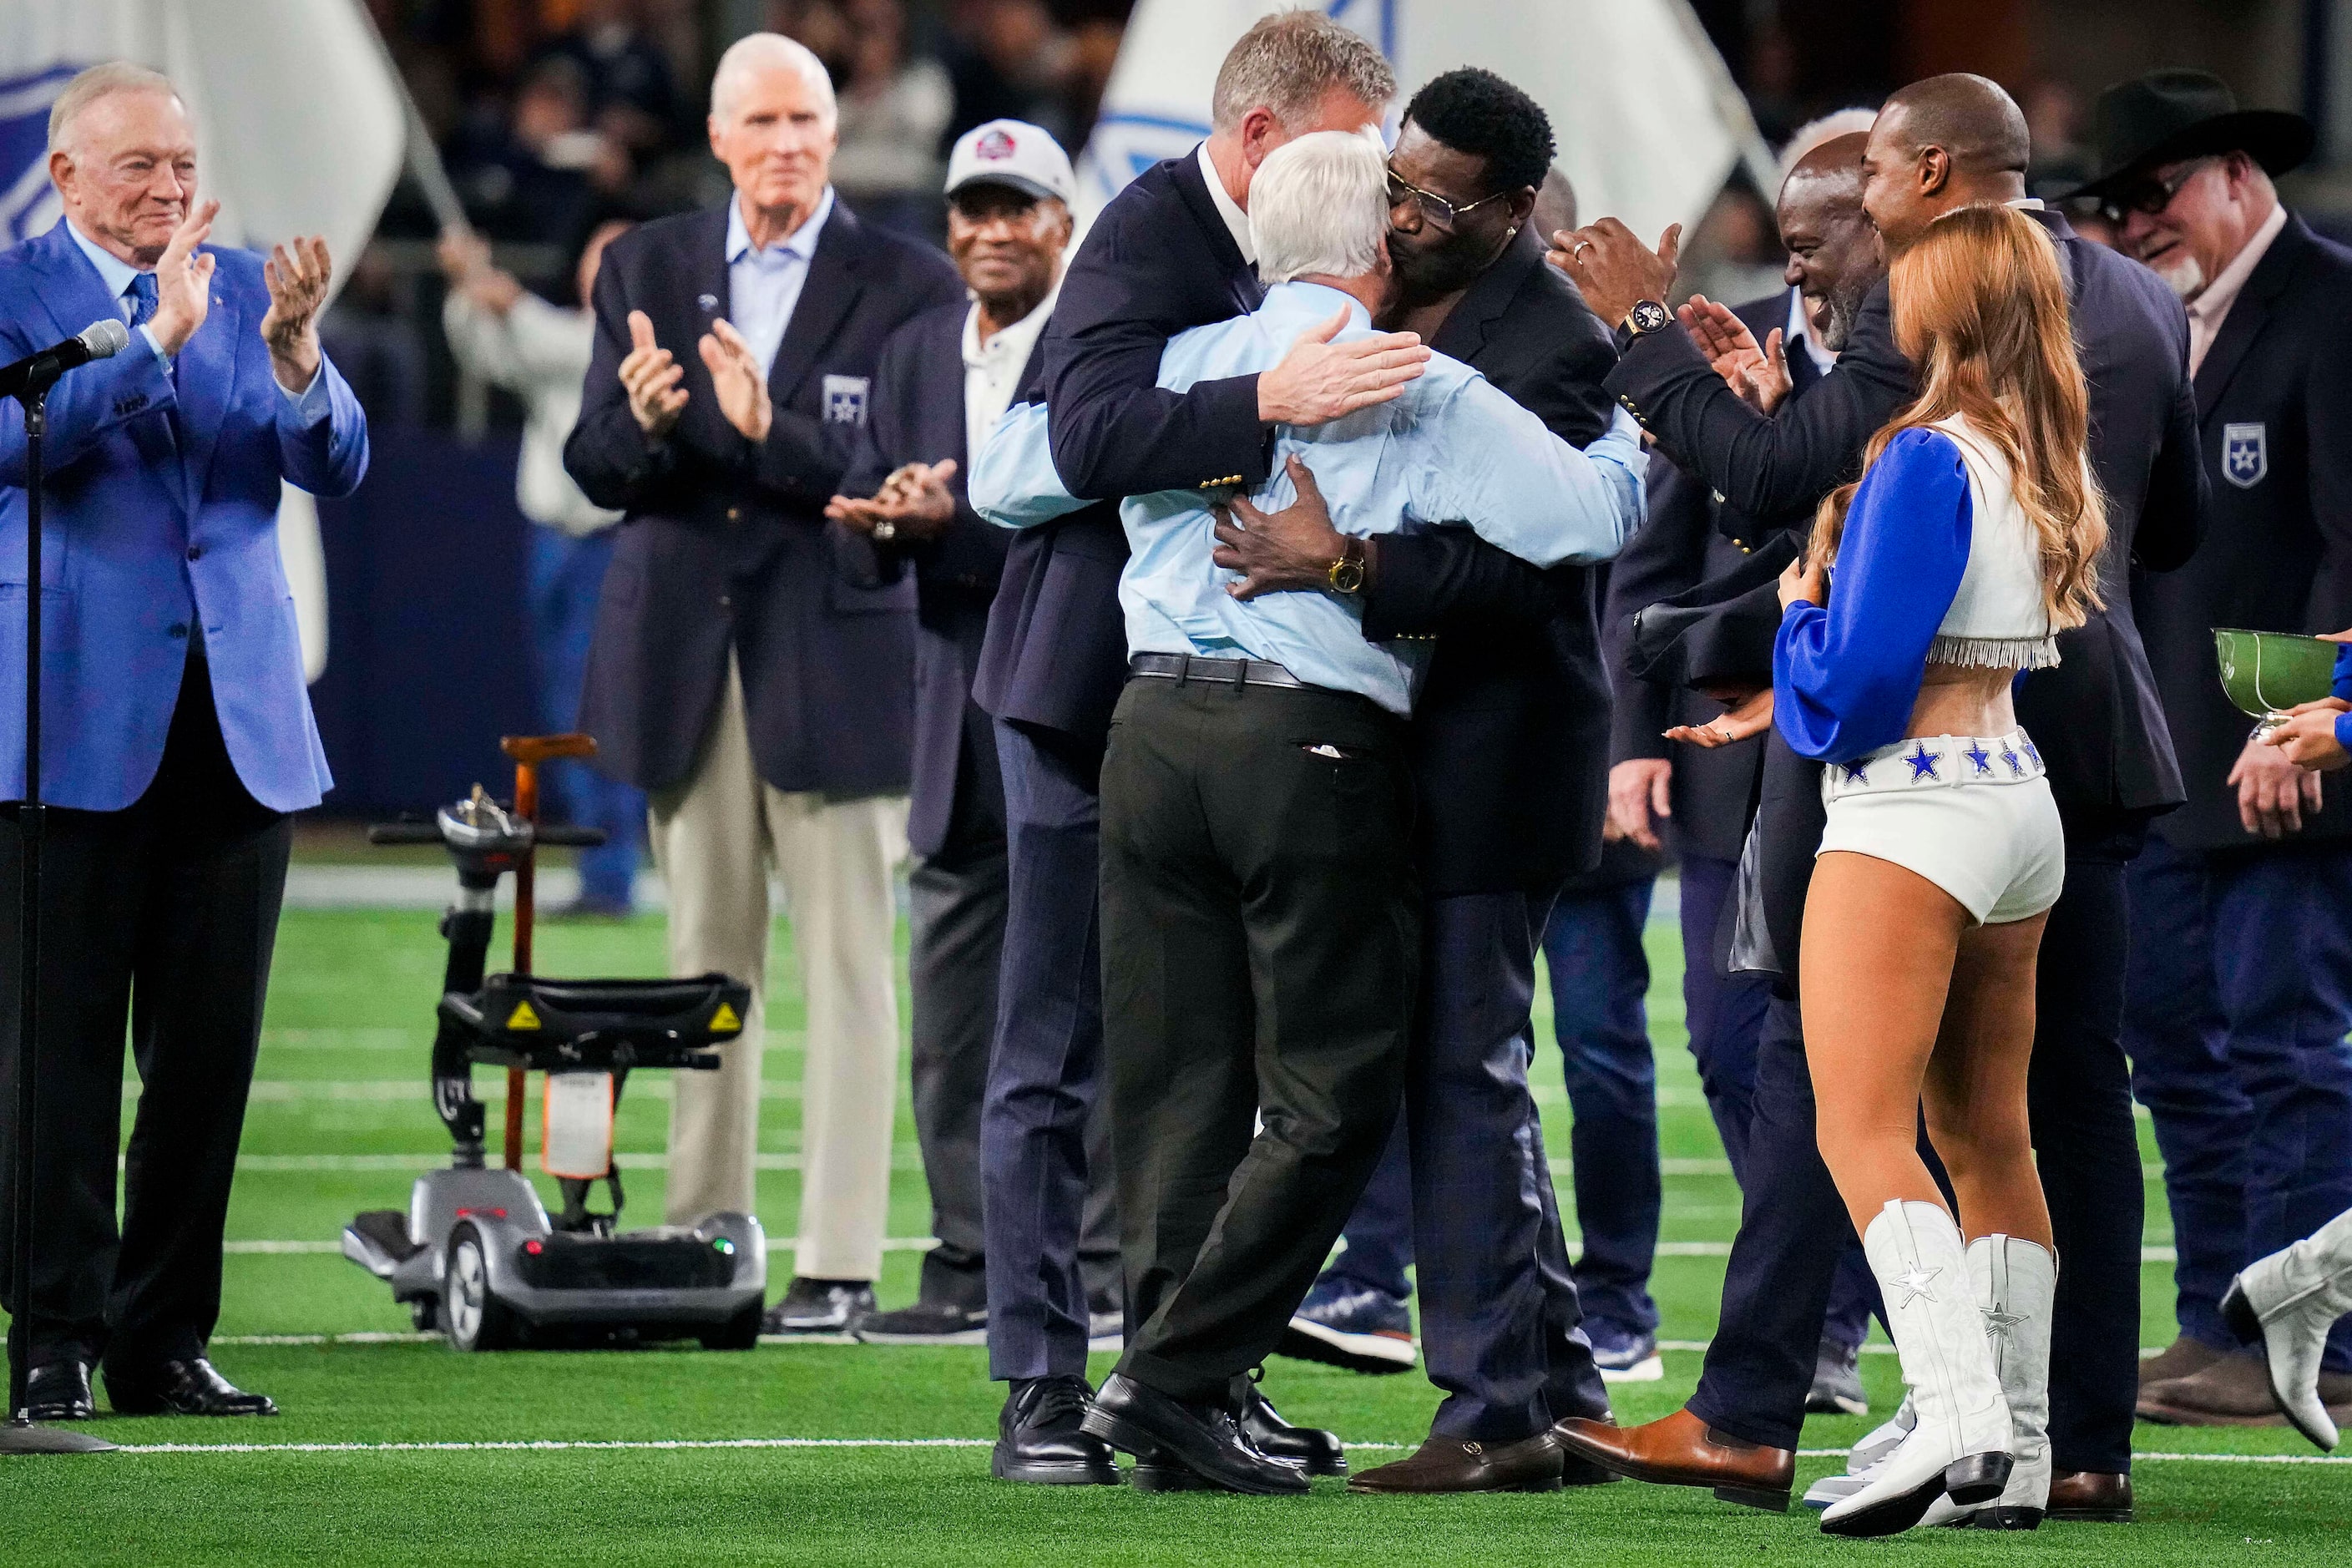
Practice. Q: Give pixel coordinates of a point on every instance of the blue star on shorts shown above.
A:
(1857, 772)
(2016, 764)
(1923, 764)
(1979, 758)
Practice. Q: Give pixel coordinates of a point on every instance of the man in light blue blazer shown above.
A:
(177, 733)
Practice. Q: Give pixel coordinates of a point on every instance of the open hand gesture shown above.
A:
(296, 274)
(1752, 717)
(913, 505)
(1759, 376)
(651, 375)
(183, 281)
(735, 376)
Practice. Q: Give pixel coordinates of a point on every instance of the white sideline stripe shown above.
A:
(306, 1248)
(661, 1445)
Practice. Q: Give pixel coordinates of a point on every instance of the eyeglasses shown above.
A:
(2152, 197)
(1434, 208)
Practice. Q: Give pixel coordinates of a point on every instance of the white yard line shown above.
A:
(308, 1248)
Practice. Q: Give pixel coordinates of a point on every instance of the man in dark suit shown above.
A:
(1508, 750)
(1171, 251)
(1708, 792)
(763, 701)
(2240, 988)
(1940, 143)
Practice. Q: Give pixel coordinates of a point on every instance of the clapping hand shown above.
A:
(736, 376)
(1612, 269)
(914, 505)
(184, 282)
(651, 376)
(1759, 376)
(297, 275)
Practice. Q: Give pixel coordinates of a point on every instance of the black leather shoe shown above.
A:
(820, 1307)
(60, 1391)
(1318, 1450)
(188, 1387)
(1039, 1439)
(1205, 1439)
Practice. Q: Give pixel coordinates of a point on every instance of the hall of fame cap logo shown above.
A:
(2245, 455)
(994, 147)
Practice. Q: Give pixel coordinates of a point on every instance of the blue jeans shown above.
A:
(566, 575)
(2237, 1002)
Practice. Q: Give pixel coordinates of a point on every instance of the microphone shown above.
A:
(39, 372)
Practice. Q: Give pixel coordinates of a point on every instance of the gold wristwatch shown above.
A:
(1348, 571)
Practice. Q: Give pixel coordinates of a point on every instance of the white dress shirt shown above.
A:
(312, 402)
(1800, 330)
(2212, 308)
(993, 370)
(1236, 220)
(764, 285)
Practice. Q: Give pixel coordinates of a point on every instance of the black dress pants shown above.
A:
(159, 919)
(1260, 937)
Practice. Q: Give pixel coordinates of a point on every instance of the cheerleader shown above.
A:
(1969, 543)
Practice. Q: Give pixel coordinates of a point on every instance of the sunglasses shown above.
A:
(2154, 195)
(1434, 208)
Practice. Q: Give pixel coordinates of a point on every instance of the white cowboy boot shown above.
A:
(2014, 1283)
(1960, 1448)
(2286, 1303)
(1863, 1457)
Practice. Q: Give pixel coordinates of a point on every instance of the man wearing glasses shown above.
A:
(2238, 991)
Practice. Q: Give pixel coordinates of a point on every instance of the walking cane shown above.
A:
(22, 1434)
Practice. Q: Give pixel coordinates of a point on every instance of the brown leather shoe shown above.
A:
(2090, 1497)
(1450, 1465)
(2184, 1357)
(2235, 1391)
(1683, 1451)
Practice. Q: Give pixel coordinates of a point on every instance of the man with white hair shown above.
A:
(765, 704)
(1260, 908)
(179, 736)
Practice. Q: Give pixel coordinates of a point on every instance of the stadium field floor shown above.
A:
(396, 1450)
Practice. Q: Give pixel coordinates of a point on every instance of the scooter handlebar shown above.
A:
(388, 833)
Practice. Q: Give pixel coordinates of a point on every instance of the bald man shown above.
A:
(765, 705)
(1939, 145)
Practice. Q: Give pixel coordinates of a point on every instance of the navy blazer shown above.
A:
(2097, 717)
(1510, 739)
(725, 545)
(1158, 261)
(916, 414)
(1679, 546)
(2274, 414)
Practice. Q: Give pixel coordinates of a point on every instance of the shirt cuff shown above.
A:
(313, 403)
(160, 357)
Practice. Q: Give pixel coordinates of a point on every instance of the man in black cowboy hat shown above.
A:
(2239, 993)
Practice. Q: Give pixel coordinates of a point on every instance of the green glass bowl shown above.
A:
(2266, 673)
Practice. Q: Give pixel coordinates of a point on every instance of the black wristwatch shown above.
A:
(1647, 316)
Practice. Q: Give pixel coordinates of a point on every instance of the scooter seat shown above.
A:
(533, 1022)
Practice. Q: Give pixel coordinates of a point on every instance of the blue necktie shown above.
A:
(143, 299)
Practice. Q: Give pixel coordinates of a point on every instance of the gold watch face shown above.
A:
(1348, 575)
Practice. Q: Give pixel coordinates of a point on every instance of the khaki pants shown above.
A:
(714, 838)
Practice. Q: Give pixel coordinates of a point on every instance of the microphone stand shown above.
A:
(22, 1434)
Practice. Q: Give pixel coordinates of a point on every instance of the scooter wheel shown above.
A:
(740, 1333)
(473, 1318)
(425, 1313)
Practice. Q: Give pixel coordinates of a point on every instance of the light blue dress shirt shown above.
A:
(312, 402)
(763, 285)
(1453, 448)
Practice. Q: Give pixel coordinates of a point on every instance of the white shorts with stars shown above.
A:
(1973, 815)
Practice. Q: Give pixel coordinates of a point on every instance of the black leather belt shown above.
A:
(1183, 667)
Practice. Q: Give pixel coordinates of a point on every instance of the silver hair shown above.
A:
(97, 82)
(754, 51)
(1828, 127)
(1319, 203)
(1288, 61)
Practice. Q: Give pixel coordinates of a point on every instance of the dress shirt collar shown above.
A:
(1236, 220)
(799, 246)
(113, 270)
(1021, 335)
(2209, 307)
(1800, 330)
(1306, 302)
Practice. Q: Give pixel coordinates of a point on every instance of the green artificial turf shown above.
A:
(340, 1121)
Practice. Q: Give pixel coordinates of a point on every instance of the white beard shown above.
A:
(2185, 278)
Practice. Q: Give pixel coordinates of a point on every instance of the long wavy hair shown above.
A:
(1980, 306)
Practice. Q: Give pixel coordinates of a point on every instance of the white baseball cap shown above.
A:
(1012, 152)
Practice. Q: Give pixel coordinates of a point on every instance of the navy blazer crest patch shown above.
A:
(844, 399)
(2245, 455)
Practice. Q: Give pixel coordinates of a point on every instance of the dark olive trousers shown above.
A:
(1260, 943)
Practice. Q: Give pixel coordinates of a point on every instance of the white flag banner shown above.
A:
(1649, 121)
(299, 130)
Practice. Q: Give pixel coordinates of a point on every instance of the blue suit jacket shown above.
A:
(916, 414)
(160, 519)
